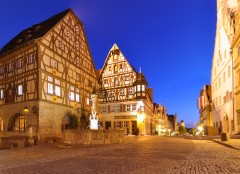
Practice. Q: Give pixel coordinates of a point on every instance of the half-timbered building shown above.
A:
(46, 72)
(124, 99)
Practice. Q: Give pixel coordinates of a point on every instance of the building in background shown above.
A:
(222, 66)
(124, 99)
(160, 120)
(173, 122)
(46, 74)
(205, 111)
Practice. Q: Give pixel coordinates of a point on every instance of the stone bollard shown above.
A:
(225, 137)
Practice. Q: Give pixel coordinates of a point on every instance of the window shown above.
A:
(117, 124)
(127, 78)
(105, 81)
(88, 100)
(115, 69)
(20, 89)
(77, 98)
(138, 88)
(115, 108)
(31, 58)
(120, 67)
(131, 107)
(50, 88)
(116, 81)
(20, 63)
(1, 94)
(1, 124)
(143, 87)
(130, 90)
(53, 63)
(72, 94)
(54, 86)
(111, 94)
(122, 91)
(126, 124)
(104, 109)
(10, 67)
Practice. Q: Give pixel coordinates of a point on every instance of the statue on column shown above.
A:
(94, 117)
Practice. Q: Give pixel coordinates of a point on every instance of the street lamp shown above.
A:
(200, 129)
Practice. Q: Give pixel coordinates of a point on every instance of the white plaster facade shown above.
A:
(222, 68)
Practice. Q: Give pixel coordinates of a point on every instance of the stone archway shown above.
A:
(17, 122)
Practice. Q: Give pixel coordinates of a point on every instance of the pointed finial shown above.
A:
(140, 70)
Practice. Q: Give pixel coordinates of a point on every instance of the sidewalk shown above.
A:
(233, 143)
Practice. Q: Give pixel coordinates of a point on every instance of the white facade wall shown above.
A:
(222, 70)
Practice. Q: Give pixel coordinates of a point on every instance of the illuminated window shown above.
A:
(78, 78)
(127, 78)
(31, 58)
(131, 107)
(20, 63)
(72, 94)
(1, 124)
(1, 94)
(50, 88)
(58, 90)
(88, 100)
(77, 98)
(20, 89)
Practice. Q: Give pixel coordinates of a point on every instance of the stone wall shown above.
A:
(92, 136)
(50, 119)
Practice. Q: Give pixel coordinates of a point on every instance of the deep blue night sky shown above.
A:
(171, 40)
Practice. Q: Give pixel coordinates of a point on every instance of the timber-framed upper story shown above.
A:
(119, 82)
(49, 61)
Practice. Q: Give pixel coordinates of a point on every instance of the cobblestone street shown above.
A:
(142, 154)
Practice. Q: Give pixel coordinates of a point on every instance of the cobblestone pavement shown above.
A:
(137, 155)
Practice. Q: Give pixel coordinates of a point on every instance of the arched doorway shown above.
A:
(18, 122)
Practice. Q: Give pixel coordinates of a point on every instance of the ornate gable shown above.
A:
(117, 76)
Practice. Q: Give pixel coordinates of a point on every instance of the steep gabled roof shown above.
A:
(114, 49)
(34, 32)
